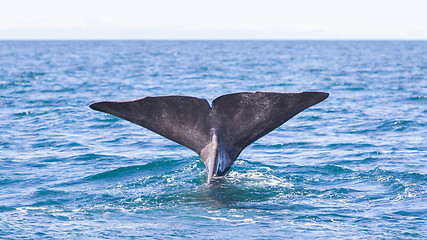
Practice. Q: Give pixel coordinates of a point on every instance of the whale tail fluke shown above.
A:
(234, 120)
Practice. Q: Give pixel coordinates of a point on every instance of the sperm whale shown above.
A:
(217, 133)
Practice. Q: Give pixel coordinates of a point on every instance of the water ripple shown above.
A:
(353, 165)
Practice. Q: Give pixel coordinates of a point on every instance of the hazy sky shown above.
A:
(216, 19)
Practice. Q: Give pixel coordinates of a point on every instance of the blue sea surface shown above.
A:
(351, 167)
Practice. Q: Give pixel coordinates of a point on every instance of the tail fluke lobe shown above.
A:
(184, 120)
(245, 117)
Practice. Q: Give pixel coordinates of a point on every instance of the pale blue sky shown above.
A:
(219, 19)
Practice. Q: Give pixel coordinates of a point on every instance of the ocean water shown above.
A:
(351, 167)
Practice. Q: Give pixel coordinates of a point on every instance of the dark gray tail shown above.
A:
(238, 119)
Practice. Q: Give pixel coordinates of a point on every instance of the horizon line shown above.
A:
(213, 39)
